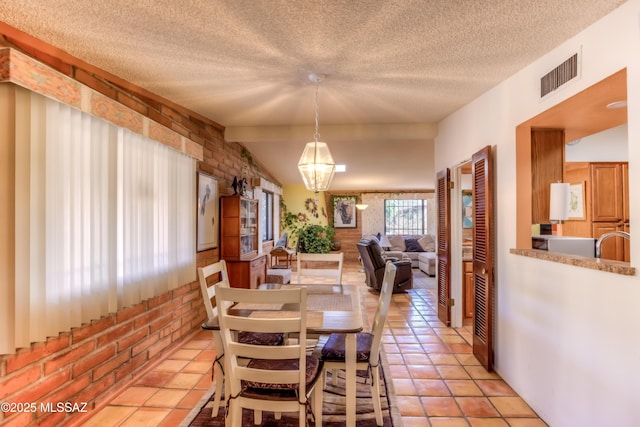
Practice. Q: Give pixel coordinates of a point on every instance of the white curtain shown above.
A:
(106, 218)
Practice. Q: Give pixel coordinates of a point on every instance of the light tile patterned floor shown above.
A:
(437, 380)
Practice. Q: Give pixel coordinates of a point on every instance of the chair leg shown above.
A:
(375, 394)
(317, 404)
(220, 382)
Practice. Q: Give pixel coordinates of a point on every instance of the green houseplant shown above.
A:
(315, 239)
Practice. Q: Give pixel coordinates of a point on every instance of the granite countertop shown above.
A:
(617, 267)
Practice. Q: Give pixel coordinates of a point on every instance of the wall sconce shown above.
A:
(361, 206)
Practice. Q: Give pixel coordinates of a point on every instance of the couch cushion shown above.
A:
(427, 243)
(413, 245)
(397, 243)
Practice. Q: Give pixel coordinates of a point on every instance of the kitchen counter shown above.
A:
(617, 267)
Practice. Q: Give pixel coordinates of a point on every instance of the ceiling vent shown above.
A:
(559, 76)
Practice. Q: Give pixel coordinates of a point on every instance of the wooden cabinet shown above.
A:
(547, 166)
(610, 206)
(468, 290)
(239, 242)
(239, 228)
(249, 273)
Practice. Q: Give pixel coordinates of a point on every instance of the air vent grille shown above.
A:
(559, 75)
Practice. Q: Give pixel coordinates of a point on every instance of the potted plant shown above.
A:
(315, 239)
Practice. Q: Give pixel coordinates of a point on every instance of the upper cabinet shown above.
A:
(547, 163)
(239, 228)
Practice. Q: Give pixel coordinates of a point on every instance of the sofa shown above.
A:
(420, 249)
(374, 266)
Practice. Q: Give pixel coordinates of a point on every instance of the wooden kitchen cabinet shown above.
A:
(468, 290)
(606, 192)
(610, 206)
(239, 242)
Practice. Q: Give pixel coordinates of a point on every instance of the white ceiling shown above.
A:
(393, 68)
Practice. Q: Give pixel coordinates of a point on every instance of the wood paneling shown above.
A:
(547, 162)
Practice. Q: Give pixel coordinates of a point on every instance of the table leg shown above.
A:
(350, 373)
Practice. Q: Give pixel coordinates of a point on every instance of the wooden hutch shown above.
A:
(239, 242)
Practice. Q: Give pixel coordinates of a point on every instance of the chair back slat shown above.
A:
(208, 287)
(332, 261)
(379, 319)
(240, 310)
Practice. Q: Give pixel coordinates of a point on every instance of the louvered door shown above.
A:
(483, 256)
(444, 236)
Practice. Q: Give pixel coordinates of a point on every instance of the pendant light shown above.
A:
(316, 164)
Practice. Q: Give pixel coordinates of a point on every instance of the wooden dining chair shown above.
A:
(326, 266)
(368, 344)
(211, 276)
(277, 378)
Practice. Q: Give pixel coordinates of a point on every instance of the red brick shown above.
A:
(159, 118)
(40, 389)
(68, 357)
(146, 318)
(160, 322)
(128, 368)
(94, 390)
(68, 393)
(13, 383)
(111, 365)
(95, 83)
(134, 104)
(172, 114)
(192, 295)
(159, 300)
(130, 340)
(160, 346)
(18, 420)
(169, 330)
(114, 334)
(143, 345)
(93, 328)
(36, 352)
(130, 312)
(52, 419)
(96, 358)
(170, 307)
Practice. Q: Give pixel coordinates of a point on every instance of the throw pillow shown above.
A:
(397, 243)
(428, 243)
(413, 245)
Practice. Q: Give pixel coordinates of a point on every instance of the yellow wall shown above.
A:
(295, 197)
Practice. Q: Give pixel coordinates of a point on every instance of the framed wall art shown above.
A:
(208, 212)
(344, 212)
(576, 201)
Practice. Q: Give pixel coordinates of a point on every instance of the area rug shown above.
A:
(333, 407)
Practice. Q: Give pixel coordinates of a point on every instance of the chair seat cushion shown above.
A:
(314, 367)
(334, 348)
(260, 338)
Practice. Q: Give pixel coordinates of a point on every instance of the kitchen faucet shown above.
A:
(605, 236)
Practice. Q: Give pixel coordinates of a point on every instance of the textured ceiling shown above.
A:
(393, 68)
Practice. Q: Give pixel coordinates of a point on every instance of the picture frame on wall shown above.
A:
(576, 201)
(344, 212)
(208, 212)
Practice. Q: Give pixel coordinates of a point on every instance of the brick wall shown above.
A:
(90, 363)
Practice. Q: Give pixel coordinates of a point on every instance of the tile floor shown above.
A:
(437, 380)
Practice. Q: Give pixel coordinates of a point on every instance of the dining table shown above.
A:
(331, 308)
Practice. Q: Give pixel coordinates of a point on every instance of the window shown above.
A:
(107, 219)
(405, 216)
(267, 215)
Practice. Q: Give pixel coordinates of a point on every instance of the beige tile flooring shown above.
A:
(437, 380)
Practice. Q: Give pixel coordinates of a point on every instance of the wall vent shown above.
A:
(559, 76)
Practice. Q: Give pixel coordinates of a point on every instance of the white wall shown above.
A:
(565, 336)
(606, 146)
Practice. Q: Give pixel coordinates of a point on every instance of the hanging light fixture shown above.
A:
(316, 164)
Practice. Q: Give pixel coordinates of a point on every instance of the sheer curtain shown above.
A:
(106, 218)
